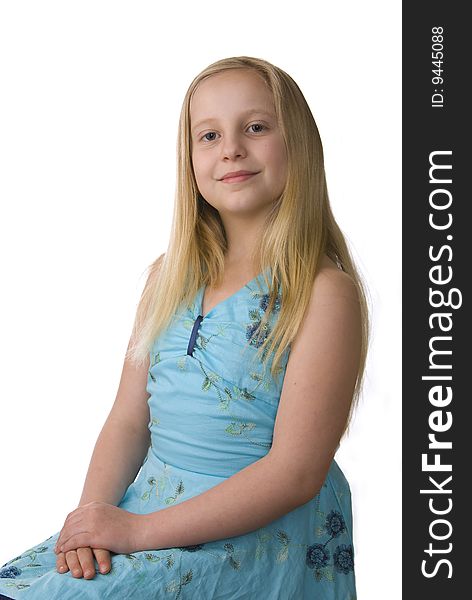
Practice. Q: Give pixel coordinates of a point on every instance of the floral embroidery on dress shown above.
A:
(318, 555)
(160, 484)
(31, 554)
(155, 360)
(10, 572)
(335, 524)
(256, 318)
(176, 586)
(344, 558)
(192, 548)
(231, 557)
(226, 396)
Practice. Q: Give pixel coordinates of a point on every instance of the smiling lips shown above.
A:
(236, 176)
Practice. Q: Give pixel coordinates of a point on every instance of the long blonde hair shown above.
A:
(299, 230)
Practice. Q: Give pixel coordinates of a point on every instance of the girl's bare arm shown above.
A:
(123, 441)
(117, 456)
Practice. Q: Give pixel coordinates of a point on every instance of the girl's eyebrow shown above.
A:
(244, 114)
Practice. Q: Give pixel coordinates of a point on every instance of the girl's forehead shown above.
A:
(228, 91)
(231, 74)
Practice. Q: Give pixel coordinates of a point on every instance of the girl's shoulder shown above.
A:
(330, 279)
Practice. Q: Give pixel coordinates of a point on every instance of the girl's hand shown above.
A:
(80, 562)
(100, 525)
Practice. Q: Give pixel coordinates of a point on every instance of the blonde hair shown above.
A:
(299, 230)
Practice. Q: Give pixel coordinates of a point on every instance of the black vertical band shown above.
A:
(437, 252)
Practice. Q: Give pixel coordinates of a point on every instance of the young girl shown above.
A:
(214, 475)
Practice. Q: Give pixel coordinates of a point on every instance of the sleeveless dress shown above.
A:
(212, 412)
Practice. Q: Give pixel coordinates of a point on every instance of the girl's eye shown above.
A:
(204, 137)
(259, 126)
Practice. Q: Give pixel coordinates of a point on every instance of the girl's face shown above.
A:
(234, 128)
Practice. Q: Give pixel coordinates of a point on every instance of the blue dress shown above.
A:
(212, 412)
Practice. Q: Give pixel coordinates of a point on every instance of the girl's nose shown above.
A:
(233, 146)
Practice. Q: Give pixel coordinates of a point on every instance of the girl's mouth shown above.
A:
(237, 177)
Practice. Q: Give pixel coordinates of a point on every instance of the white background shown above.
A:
(89, 105)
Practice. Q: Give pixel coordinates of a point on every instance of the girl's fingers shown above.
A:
(103, 559)
(73, 563)
(61, 563)
(85, 556)
(81, 562)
